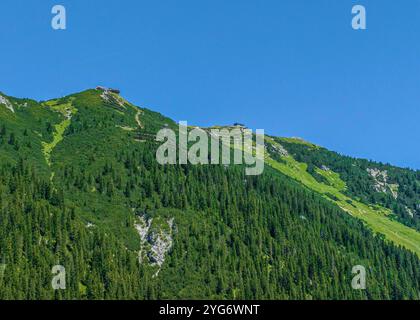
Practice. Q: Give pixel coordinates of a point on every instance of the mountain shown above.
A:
(80, 187)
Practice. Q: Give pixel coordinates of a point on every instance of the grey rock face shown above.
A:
(155, 241)
(281, 150)
(381, 182)
(7, 103)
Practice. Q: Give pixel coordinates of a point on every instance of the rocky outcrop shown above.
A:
(111, 96)
(160, 242)
(280, 150)
(381, 182)
(155, 240)
(5, 102)
(409, 211)
(90, 225)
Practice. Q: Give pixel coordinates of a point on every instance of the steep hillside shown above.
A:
(328, 183)
(369, 182)
(80, 187)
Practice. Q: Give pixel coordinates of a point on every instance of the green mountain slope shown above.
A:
(380, 219)
(80, 187)
(369, 182)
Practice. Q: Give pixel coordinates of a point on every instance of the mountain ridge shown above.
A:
(292, 138)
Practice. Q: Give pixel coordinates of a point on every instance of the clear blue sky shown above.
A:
(291, 67)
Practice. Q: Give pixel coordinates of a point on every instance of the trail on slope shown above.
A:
(139, 112)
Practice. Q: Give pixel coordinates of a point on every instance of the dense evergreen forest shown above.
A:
(80, 187)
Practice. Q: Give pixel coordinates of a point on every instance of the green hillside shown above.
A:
(378, 218)
(80, 187)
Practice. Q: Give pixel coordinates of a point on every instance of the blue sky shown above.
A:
(291, 67)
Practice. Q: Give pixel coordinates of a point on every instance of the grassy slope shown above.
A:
(379, 219)
(67, 110)
(29, 125)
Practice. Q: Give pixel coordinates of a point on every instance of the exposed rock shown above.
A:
(7, 103)
(154, 242)
(410, 212)
(161, 242)
(171, 223)
(143, 227)
(325, 168)
(138, 114)
(105, 96)
(393, 188)
(111, 96)
(280, 150)
(381, 182)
